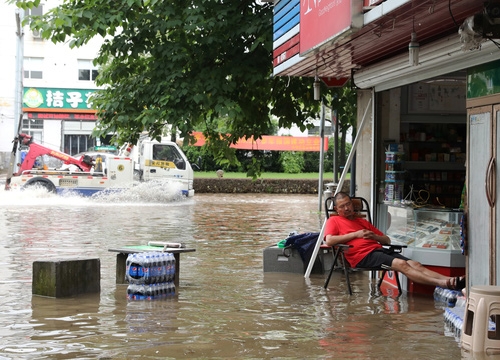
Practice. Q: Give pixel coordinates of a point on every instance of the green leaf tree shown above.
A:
(179, 64)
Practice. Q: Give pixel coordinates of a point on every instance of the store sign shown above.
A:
(269, 142)
(61, 116)
(286, 51)
(105, 148)
(483, 80)
(286, 25)
(55, 99)
(322, 21)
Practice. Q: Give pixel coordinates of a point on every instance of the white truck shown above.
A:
(91, 173)
(163, 160)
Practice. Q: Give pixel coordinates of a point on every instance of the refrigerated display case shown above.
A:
(432, 235)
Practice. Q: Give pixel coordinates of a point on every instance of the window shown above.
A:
(33, 68)
(168, 153)
(33, 127)
(37, 11)
(86, 70)
(74, 144)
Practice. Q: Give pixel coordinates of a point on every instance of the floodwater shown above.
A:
(226, 306)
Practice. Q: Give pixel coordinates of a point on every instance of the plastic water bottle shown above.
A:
(153, 269)
(149, 292)
(147, 270)
(172, 267)
(140, 268)
(438, 293)
(130, 291)
(451, 298)
(168, 267)
(164, 257)
(131, 267)
(159, 266)
(140, 292)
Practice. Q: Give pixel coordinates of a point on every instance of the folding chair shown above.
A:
(362, 209)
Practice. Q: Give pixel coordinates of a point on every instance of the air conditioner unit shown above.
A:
(37, 34)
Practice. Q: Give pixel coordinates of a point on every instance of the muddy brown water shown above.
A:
(226, 306)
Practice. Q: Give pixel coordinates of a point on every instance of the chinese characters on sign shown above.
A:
(47, 99)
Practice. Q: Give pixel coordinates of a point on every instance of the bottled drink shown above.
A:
(149, 292)
(140, 268)
(153, 269)
(159, 268)
(163, 267)
(131, 267)
(130, 292)
(147, 270)
(141, 292)
(437, 293)
(451, 298)
(168, 267)
(172, 265)
(162, 290)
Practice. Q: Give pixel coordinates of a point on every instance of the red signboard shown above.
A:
(323, 20)
(286, 51)
(268, 142)
(334, 81)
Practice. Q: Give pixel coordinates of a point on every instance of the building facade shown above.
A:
(428, 100)
(49, 85)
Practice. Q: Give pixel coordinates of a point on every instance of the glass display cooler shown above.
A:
(433, 238)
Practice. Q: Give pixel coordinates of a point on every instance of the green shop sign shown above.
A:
(483, 80)
(58, 99)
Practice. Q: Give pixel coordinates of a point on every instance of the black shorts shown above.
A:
(380, 258)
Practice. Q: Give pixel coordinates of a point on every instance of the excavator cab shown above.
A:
(87, 159)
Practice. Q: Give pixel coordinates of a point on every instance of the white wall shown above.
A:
(7, 76)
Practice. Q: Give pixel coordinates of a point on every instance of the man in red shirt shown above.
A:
(367, 247)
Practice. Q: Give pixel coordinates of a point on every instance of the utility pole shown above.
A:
(18, 98)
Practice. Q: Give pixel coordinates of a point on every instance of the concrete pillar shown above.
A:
(68, 277)
(364, 152)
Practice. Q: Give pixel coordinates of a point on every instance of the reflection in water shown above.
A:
(226, 306)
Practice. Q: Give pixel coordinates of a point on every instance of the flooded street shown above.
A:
(226, 306)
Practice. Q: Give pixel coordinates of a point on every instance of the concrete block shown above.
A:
(68, 277)
(275, 261)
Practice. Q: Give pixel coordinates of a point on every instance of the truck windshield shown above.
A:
(168, 153)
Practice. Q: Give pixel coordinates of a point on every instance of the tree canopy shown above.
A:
(183, 64)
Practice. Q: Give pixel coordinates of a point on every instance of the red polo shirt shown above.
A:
(339, 225)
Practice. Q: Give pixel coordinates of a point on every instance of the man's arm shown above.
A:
(360, 234)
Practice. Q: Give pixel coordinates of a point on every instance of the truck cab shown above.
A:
(164, 161)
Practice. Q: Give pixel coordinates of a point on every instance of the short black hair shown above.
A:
(340, 195)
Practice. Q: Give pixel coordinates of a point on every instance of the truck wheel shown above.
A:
(42, 183)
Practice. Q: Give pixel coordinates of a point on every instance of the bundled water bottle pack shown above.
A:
(150, 275)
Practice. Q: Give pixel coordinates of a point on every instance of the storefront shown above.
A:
(421, 171)
(426, 135)
(62, 118)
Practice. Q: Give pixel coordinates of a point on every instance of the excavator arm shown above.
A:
(36, 150)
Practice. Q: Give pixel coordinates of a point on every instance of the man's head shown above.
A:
(343, 205)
